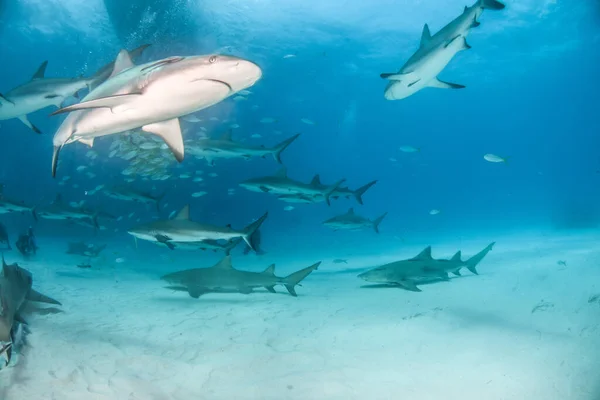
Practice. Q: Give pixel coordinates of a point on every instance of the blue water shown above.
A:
(531, 95)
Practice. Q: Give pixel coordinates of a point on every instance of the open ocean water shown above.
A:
(299, 199)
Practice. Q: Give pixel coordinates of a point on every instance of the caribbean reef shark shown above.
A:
(223, 278)
(183, 230)
(336, 194)
(434, 54)
(282, 185)
(152, 96)
(15, 291)
(407, 273)
(226, 148)
(353, 222)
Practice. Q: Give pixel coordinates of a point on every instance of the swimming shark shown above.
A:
(223, 278)
(59, 210)
(209, 244)
(226, 148)
(353, 222)
(152, 96)
(423, 267)
(15, 291)
(182, 229)
(40, 92)
(434, 54)
(337, 193)
(128, 194)
(8, 205)
(84, 249)
(281, 184)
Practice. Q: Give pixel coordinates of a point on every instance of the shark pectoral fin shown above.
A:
(40, 298)
(170, 132)
(436, 83)
(245, 290)
(270, 289)
(456, 273)
(87, 141)
(408, 285)
(117, 103)
(409, 76)
(196, 292)
(23, 119)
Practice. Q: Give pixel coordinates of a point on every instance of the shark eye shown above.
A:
(212, 59)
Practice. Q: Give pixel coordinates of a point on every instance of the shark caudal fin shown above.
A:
(332, 189)
(292, 280)
(250, 229)
(277, 150)
(491, 5)
(378, 221)
(361, 190)
(472, 262)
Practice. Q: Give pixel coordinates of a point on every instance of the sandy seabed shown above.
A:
(523, 329)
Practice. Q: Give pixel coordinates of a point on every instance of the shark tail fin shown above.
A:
(476, 259)
(378, 221)
(361, 190)
(41, 298)
(277, 150)
(250, 229)
(332, 189)
(294, 279)
(491, 4)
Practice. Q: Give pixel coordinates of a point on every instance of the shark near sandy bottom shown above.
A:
(183, 230)
(41, 92)
(223, 278)
(353, 222)
(434, 54)
(422, 268)
(132, 195)
(15, 291)
(226, 148)
(282, 185)
(152, 97)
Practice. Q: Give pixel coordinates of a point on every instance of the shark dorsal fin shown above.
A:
(39, 74)
(457, 256)
(282, 173)
(316, 180)
(425, 36)
(270, 270)
(184, 214)
(465, 10)
(225, 263)
(227, 136)
(350, 211)
(122, 63)
(424, 255)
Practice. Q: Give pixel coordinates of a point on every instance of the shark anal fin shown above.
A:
(408, 285)
(23, 119)
(170, 132)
